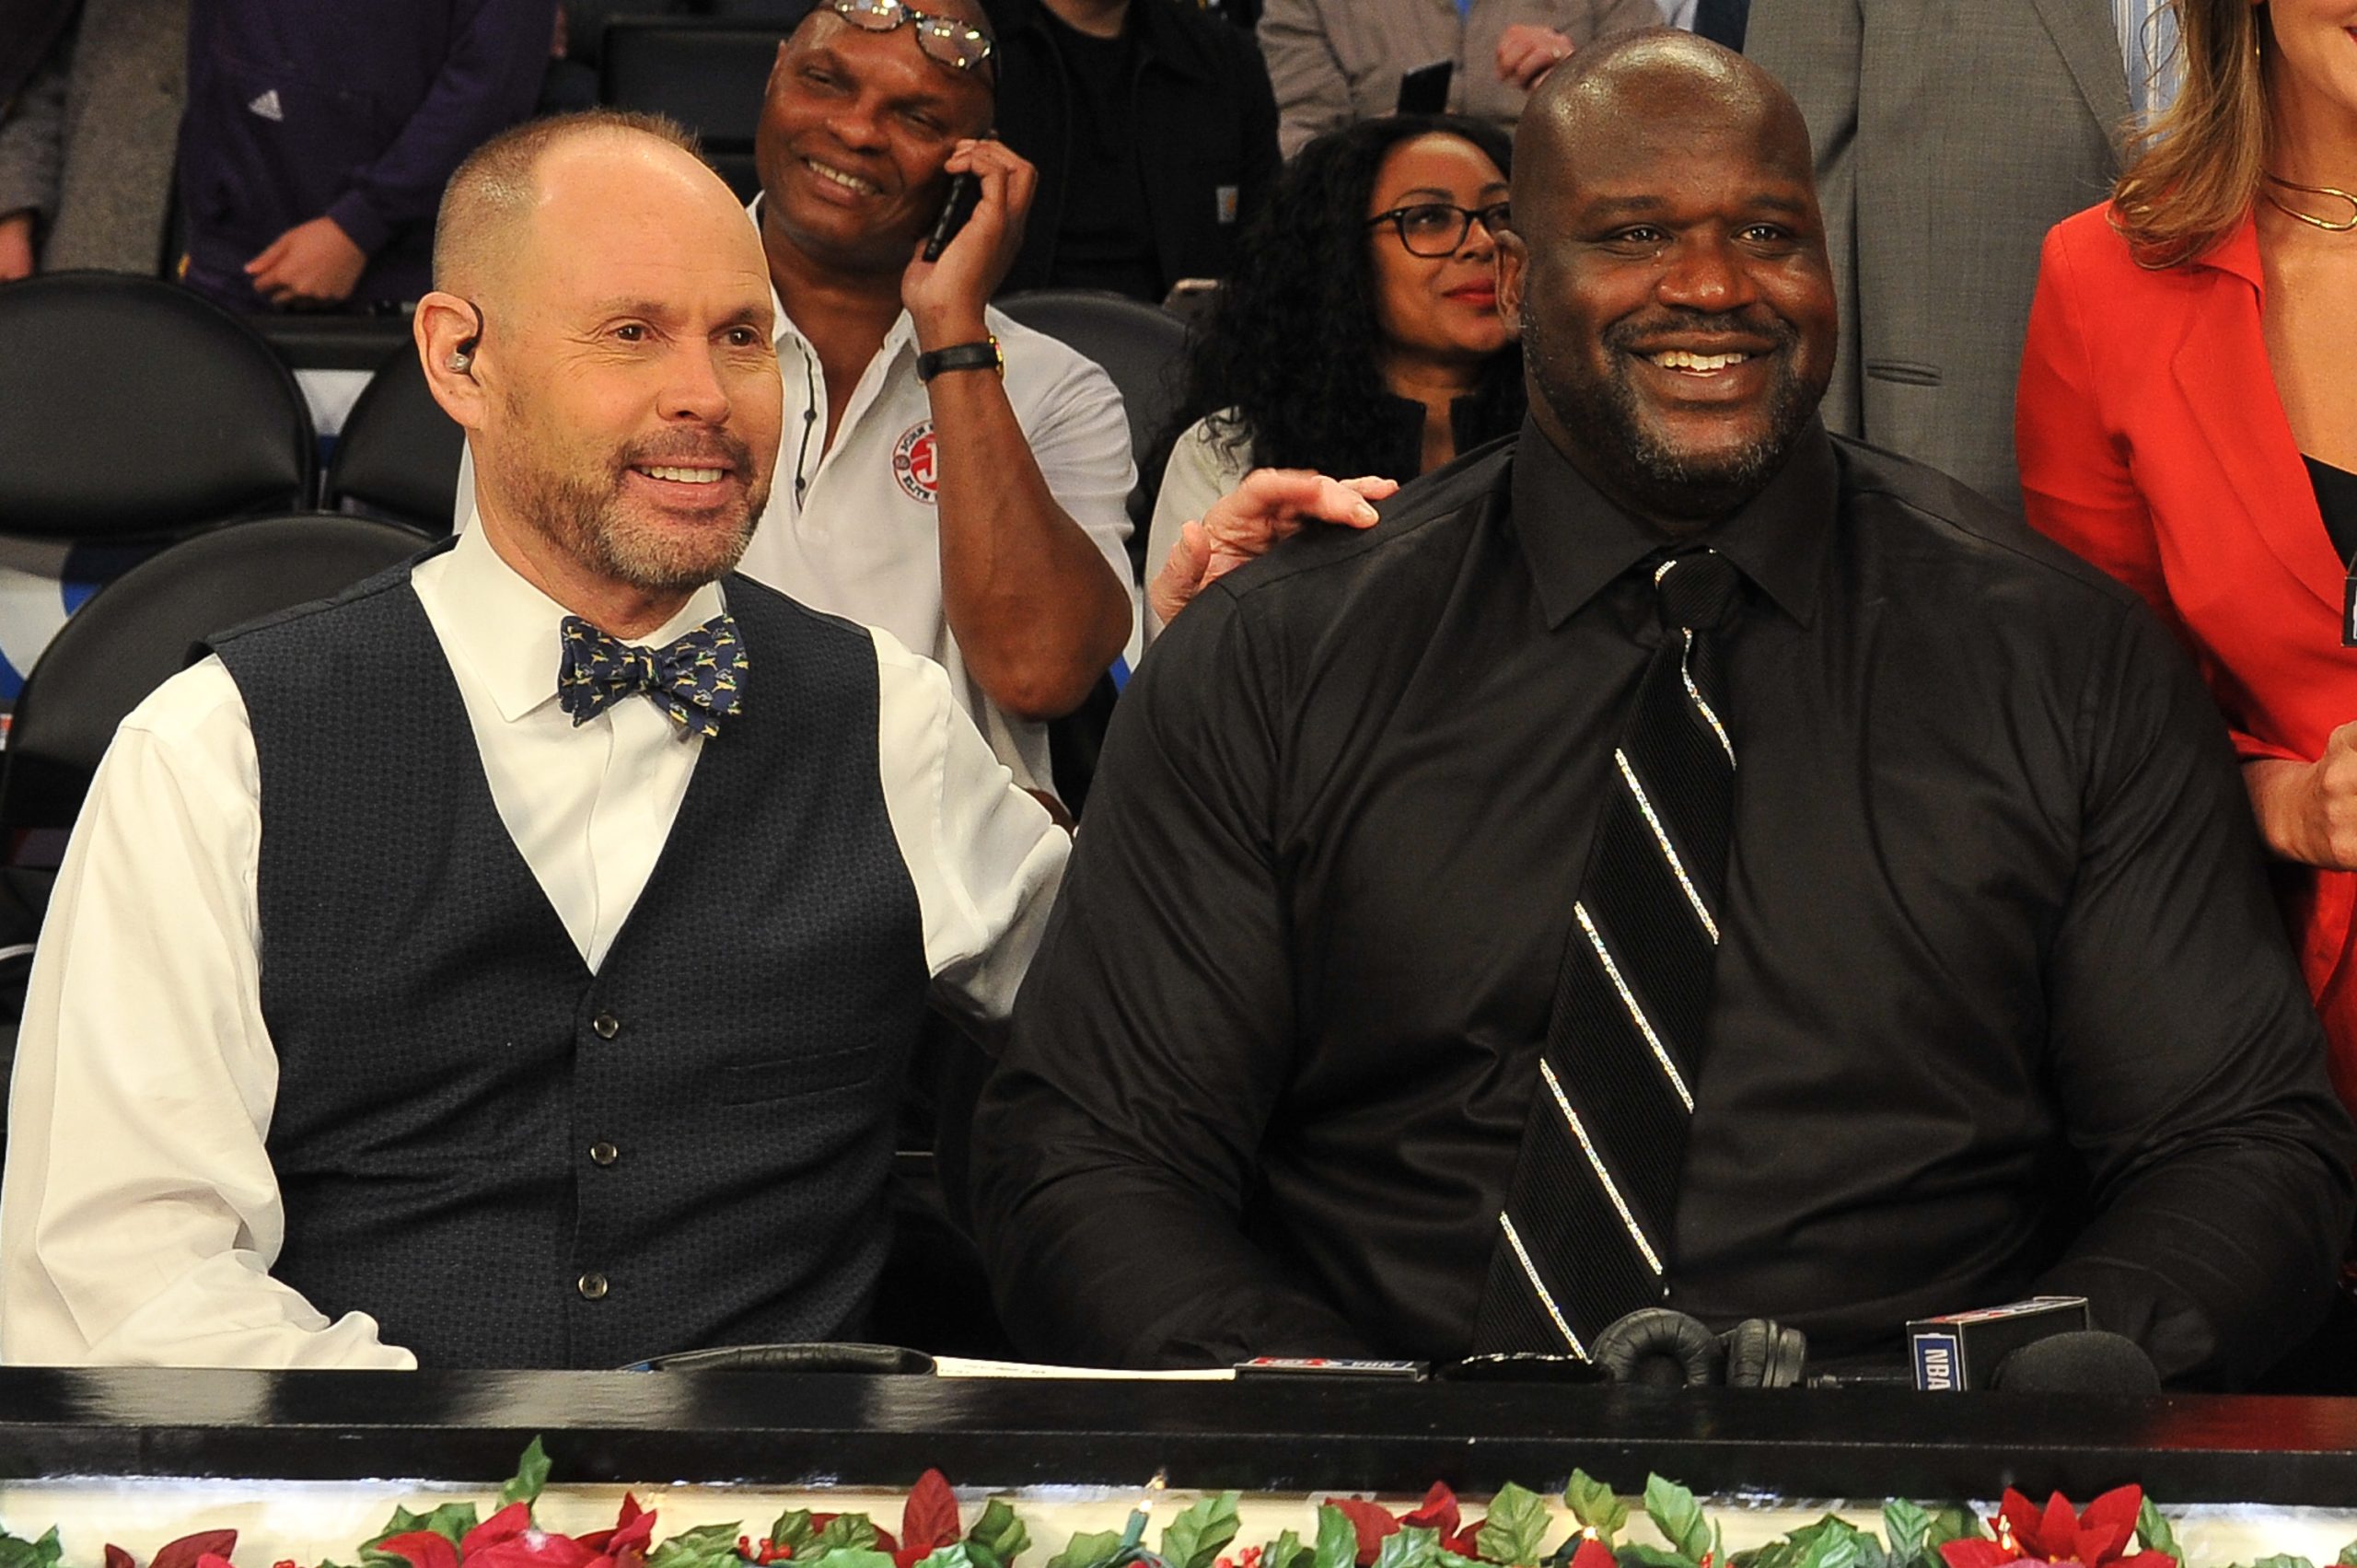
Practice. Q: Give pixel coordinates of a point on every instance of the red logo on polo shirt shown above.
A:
(913, 460)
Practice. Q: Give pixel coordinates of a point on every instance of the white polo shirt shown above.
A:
(853, 530)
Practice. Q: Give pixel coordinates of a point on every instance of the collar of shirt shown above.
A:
(1576, 542)
(504, 631)
(903, 333)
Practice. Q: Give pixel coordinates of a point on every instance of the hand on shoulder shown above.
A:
(1245, 523)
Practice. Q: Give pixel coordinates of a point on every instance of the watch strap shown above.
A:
(982, 356)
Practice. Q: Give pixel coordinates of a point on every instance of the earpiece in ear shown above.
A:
(462, 361)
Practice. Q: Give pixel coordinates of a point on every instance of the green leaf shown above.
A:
(2154, 1531)
(998, 1534)
(1653, 1557)
(1281, 1552)
(1907, 1528)
(16, 1552)
(2281, 1561)
(1193, 1540)
(1410, 1546)
(1515, 1527)
(1954, 1522)
(1595, 1507)
(1680, 1518)
(1091, 1549)
(954, 1555)
(1780, 1553)
(794, 1528)
(706, 1545)
(2348, 1558)
(844, 1532)
(846, 1557)
(1830, 1543)
(531, 1475)
(1338, 1539)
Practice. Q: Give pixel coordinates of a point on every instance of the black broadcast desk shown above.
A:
(1274, 1435)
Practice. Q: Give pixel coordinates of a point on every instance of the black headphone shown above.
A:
(1660, 1347)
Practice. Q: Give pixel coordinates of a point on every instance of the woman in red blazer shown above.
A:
(2187, 422)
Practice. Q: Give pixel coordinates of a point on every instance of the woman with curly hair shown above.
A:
(1360, 333)
(2187, 422)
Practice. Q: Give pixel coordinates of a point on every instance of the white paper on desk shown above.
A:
(965, 1367)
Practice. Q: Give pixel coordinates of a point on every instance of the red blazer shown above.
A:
(2153, 442)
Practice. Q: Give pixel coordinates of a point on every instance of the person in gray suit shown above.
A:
(86, 140)
(1949, 138)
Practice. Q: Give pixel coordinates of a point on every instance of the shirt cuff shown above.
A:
(360, 223)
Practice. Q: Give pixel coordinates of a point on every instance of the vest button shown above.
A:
(603, 1153)
(593, 1287)
(607, 1025)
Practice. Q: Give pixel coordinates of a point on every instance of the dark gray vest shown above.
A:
(510, 1161)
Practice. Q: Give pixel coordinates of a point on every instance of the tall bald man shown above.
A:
(512, 963)
(1677, 858)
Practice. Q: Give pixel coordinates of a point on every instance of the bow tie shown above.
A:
(696, 680)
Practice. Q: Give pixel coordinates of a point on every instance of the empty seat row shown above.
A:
(133, 410)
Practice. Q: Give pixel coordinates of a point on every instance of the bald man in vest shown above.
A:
(512, 963)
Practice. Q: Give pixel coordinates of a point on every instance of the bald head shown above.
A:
(485, 220)
(1666, 266)
(1661, 86)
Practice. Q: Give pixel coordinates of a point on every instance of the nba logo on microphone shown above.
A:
(912, 463)
(1936, 1361)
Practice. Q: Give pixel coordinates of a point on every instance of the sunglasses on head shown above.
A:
(943, 39)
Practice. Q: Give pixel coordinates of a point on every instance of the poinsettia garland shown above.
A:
(1352, 1533)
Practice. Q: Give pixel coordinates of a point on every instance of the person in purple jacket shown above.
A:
(320, 134)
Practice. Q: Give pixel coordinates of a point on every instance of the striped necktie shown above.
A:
(1584, 1234)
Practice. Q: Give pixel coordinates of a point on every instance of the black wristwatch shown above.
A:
(983, 355)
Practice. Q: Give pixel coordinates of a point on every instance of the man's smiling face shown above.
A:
(1668, 265)
(855, 127)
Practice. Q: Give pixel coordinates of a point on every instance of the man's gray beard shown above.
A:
(585, 523)
(1664, 480)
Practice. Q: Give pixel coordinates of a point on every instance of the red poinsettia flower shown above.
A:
(625, 1545)
(509, 1540)
(422, 1549)
(1371, 1522)
(598, 1541)
(1593, 1553)
(1439, 1512)
(2097, 1538)
(928, 1520)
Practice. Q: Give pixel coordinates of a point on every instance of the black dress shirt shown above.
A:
(2002, 1003)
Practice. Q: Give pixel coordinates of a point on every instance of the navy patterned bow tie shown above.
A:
(698, 680)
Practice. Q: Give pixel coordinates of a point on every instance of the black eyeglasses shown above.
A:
(944, 39)
(1437, 228)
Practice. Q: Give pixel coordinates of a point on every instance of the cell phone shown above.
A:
(965, 195)
(1424, 90)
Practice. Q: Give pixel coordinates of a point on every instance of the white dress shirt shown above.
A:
(851, 528)
(139, 1216)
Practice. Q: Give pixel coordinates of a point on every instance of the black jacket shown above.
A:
(1205, 122)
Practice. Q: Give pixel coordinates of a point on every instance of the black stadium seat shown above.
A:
(398, 455)
(1142, 347)
(132, 409)
(708, 75)
(136, 632)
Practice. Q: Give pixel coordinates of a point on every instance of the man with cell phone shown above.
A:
(946, 473)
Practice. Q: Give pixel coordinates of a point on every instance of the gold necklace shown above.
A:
(2343, 225)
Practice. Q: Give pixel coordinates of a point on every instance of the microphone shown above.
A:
(2085, 1360)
